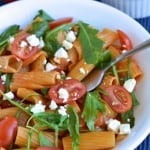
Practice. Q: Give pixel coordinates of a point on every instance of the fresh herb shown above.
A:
(104, 59)
(91, 45)
(115, 72)
(4, 37)
(44, 141)
(73, 127)
(135, 101)
(92, 106)
(44, 91)
(51, 43)
(39, 28)
(128, 117)
(8, 81)
(42, 14)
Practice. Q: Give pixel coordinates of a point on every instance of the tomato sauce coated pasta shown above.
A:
(43, 103)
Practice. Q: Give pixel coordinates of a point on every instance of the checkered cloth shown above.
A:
(145, 22)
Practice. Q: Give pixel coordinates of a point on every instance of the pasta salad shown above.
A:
(43, 103)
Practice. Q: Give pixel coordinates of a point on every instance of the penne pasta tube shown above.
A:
(10, 64)
(29, 95)
(98, 140)
(11, 111)
(38, 64)
(23, 133)
(108, 81)
(33, 80)
(81, 70)
(108, 36)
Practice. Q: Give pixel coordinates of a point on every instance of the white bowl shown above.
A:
(99, 15)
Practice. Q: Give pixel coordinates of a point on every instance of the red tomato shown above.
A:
(2, 87)
(47, 148)
(124, 40)
(22, 52)
(8, 129)
(74, 87)
(59, 22)
(118, 98)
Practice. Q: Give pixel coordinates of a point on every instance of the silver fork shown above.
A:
(96, 76)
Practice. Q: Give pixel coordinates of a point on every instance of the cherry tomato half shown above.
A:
(22, 52)
(124, 40)
(8, 129)
(2, 87)
(74, 87)
(47, 148)
(118, 98)
(59, 22)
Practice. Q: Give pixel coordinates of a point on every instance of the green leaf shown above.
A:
(91, 45)
(42, 14)
(135, 101)
(44, 91)
(104, 59)
(91, 108)
(4, 37)
(128, 117)
(8, 81)
(51, 43)
(73, 127)
(39, 28)
(44, 141)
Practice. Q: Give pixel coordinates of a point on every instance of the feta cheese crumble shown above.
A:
(67, 45)
(129, 85)
(113, 125)
(63, 94)
(23, 44)
(33, 40)
(10, 95)
(61, 53)
(71, 37)
(124, 128)
(3, 78)
(62, 111)
(38, 107)
(50, 67)
(82, 71)
(53, 105)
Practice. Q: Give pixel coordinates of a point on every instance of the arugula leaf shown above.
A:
(44, 91)
(7, 82)
(134, 99)
(73, 127)
(44, 141)
(39, 28)
(91, 107)
(91, 45)
(42, 14)
(4, 37)
(51, 43)
(104, 59)
(128, 117)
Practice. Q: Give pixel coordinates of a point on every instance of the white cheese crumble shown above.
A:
(63, 94)
(3, 78)
(124, 128)
(53, 105)
(33, 40)
(38, 107)
(41, 44)
(71, 37)
(50, 67)
(67, 45)
(61, 53)
(10, 95)
(11, 39)
(62, 111)
(23, 44)
(113, 125)
(129, 85)
(82, 71)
